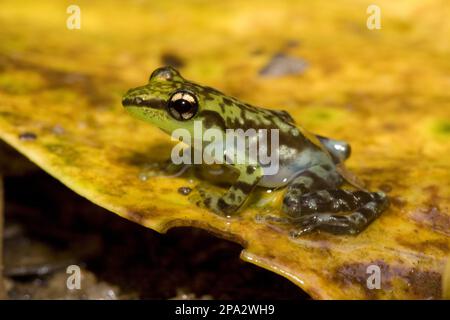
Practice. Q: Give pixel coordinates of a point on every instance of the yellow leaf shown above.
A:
(385, 91)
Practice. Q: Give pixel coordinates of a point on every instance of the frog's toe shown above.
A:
(302, 229)
(174, 170)
(331, 223)
(276, 219)
(292, 205)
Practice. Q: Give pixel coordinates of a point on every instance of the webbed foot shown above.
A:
(349, 214)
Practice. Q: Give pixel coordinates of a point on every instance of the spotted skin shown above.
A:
(313, 202)
(361, 209)
(229, 203)
(310, 166)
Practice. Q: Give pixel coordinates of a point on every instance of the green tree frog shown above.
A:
(310, 166)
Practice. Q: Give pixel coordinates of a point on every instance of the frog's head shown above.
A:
(168, 101)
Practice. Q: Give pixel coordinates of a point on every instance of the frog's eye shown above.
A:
(182, 105)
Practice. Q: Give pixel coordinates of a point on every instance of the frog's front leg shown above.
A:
(229, 203)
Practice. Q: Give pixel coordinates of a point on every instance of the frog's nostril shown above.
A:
(127, 101)
(138, 100)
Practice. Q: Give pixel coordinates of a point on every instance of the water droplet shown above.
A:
(184, 190)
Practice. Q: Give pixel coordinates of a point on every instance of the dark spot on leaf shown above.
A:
(281, 65)
(83, 84)
(431, 214)
(356, 273)
(434, 197)
(172, 60)
(68, 155)
(397, 202)
(391, 127)
(27, 136)
(434, 218)
(425, 284)
(257, 51)
(385, 187)
(424, 246)
(135, 216)
(292, 43)
(442, 127)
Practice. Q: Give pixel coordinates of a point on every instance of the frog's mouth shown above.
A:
(148, 114)
(143, 112)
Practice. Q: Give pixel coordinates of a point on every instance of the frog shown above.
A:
(311, 167)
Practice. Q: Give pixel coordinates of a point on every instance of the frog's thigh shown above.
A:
(374, 204)
(320, 177)
(235, 197)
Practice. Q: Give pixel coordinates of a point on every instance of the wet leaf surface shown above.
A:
(384, 91)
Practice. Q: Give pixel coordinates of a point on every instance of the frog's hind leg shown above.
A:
(339, 150)
(314, 202)
(338, 211)
(320, 177)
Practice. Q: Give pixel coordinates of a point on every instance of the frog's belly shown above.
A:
(282, 178)
(288, 169)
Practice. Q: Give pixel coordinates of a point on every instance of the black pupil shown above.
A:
(182, 106)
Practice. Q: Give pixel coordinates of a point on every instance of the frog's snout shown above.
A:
(132, 101)
(138, 100)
